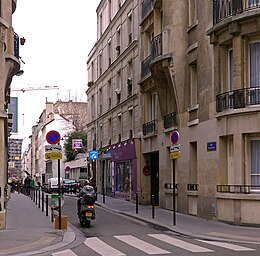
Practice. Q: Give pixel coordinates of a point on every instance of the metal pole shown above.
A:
(39, 206)
(174, 194)
(35, 193)
(59, 192)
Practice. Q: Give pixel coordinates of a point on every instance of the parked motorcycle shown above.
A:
(86, 206)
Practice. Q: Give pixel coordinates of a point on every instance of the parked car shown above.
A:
(70, 186)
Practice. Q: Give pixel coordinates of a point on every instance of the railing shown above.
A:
(156, 46)
(192, 187)
(149, 127)
(145, 66)
(170, 185)
(169, 120)
(147, 7)
(16, 45)
(238, 98)
(239, 189)
(223, 9)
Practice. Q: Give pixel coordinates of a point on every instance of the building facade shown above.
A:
(10, 65)
(15, 157)
(114, 98)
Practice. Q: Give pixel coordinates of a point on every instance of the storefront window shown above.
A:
(124, 176)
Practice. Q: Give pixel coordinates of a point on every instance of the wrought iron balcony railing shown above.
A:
(145, 66)
(147, 7)
(238, 98)
(170, 185)
(150, 127)
(192, 187)
(156, 46)
(223, 9)
(169, 120)
(239, 189)
(16, 45)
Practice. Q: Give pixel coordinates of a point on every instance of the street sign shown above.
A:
(67, 168)
(52, 148)
(53, 137)
(174, 155)
(175, 148)
(77, 143)
(93, 155)
(53, 156)
(174, 137)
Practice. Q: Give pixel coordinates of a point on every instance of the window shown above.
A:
(129, 27)
(255, 163)
(153, 106)
(124, 178)
(230, 70)
(192, 12)
(193, 84)
(254, 73)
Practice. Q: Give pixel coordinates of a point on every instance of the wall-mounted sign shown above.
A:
(77, 143)
(212, 146)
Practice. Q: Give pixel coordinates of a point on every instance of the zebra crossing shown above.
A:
(104, 249)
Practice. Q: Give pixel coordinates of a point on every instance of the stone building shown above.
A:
(198, 78)
(114, 98)
(9, 66)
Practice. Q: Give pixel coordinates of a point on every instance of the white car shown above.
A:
(52, 185)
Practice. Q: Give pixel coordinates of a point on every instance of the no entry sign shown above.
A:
(53, 137)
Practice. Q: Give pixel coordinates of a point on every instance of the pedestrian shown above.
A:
(27, 183)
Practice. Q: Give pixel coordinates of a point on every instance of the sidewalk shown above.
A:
(30, 232)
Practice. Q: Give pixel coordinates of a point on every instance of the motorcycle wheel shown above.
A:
(84, 223)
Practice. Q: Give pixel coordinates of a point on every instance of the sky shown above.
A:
(59, 36)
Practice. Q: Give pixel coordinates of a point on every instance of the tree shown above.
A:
(69, 151)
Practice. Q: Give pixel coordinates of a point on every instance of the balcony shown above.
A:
(238, 99)
(170, 120)
(147, 8)
(238, 189)
(224, 9)
(145, 67)
(150, 127)
(16, 45)
(156, 46)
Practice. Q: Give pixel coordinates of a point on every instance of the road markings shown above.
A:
(64, 253)
(233, 247)
(101, 247)
(179, 243)
(141, 245)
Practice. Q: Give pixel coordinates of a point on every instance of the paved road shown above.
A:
(112, 234)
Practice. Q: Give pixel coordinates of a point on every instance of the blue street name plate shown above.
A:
(211, 146)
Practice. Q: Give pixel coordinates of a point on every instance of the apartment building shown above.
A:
(114, 98)
(10, 65)
(15, 157)
(200, 77)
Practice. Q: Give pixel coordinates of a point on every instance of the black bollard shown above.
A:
(39, 202)
(136, 203)
(36, 197)
(42, 202)
(47, 204)
(153, 206)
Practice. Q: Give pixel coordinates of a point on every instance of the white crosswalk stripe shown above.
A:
(141, 245)
(179, 243)
(233, 247)
(101, 247)
(64, 253)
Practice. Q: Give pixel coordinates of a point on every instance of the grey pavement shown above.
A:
(30, 232)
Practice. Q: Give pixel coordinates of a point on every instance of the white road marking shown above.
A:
(179, 243)
(101, 247)
(64, 253)
(141, 245)
(227, 245)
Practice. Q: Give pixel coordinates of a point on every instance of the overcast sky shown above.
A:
(59, 35)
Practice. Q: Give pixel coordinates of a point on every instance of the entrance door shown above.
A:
(154, 162)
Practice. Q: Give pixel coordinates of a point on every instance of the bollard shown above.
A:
(104, 196)
(153, 206)
(42, 202)
(39, 202)
(47, 204)
(136, 203)
(36, 198)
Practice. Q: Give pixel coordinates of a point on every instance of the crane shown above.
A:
(36, 88)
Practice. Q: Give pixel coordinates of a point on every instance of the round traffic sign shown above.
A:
(53, 137)
(174, 137)
(67, 168)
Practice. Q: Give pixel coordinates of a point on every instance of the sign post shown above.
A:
(53, 137)
(174, 154)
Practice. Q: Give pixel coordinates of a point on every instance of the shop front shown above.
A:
(125, 170)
